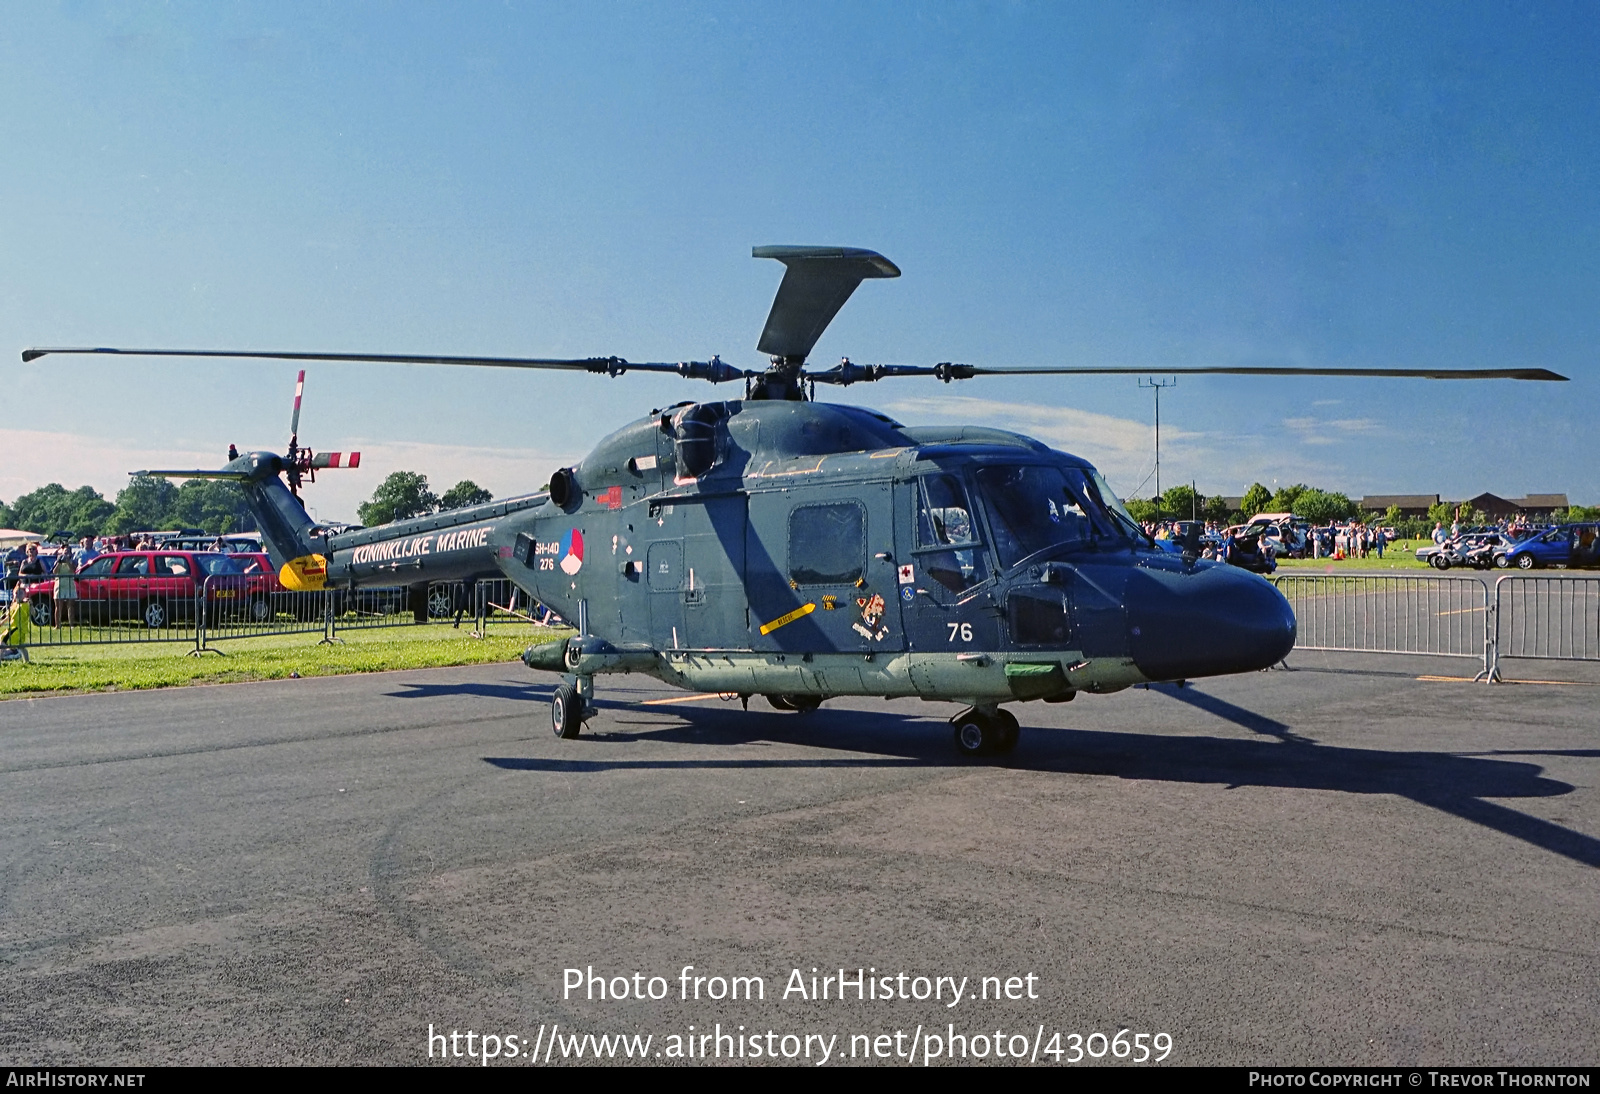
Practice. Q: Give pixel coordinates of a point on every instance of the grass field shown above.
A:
(274, 657)
(1396, 556)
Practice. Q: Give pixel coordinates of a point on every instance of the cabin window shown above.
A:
(827, 544)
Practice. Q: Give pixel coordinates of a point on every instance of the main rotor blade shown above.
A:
(816, 283)
(713, 370)
(947, 371)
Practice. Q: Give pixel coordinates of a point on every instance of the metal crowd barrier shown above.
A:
(227, 606)
(1522, 616)
(480, 604)
(1546, 618)
(1372, 613)
(134, 610)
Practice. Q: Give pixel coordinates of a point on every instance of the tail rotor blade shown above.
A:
(294, 423)
(335, 459)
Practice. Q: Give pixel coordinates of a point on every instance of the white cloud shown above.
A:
(1319, 431)
(1122, 448)
(1219, 463)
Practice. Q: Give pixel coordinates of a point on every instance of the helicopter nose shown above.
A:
(1207, 622)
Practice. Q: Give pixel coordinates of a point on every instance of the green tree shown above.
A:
(464, 493)
(1393, 516)
(1283, 501)
(1216, 509)
(1442, 513)
(1256, 499)
(144, 505)
(54, 508)
(1321, 507)
(1141, 509)
(217, 506)
(403, 494)
(1180, 503)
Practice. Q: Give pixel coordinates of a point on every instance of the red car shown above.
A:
(158, 587)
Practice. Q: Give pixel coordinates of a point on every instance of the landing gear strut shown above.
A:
(980, 733)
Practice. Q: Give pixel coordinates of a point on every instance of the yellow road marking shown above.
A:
(679, 699)
(1460, 611)
(783, 620)
(1549, 683)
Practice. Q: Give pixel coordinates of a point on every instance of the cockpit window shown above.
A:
(1032, 508)
(944, 520)
(945, 517)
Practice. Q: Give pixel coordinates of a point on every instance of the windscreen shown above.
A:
(1034, 508)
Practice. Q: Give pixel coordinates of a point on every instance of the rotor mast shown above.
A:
(816, 283)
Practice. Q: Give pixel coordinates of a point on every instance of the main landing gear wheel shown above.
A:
(566, 711)
(979, 734)
(800, 704)
(440, 602)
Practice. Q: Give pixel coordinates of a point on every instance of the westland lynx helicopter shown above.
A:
(777, 546)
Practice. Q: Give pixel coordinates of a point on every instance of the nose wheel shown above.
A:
(566, 711)
(986, 734)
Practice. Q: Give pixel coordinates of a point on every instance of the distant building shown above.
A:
(1541, 505)
(1536, 506)
(1415, 506)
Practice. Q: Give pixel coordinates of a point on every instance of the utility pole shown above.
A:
(1157, 385)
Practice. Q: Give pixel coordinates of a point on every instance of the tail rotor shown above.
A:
(300, 464)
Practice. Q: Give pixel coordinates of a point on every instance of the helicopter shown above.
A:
(800, 550)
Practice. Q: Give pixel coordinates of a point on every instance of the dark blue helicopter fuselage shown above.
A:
(809, 548)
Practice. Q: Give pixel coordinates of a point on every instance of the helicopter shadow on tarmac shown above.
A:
(516, 692)
(1454, 783)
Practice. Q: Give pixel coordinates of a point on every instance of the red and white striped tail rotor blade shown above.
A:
(335, 459)
(294, 423)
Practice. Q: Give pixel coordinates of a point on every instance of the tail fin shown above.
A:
(286, 528)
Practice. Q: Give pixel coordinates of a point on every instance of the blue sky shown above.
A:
(1147, 185)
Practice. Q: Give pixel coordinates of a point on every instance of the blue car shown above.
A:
(1571, 545)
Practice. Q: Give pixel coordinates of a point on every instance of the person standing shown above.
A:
(66, 591)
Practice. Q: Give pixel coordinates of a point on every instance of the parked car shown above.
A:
(1573, 545)
(158, 587)
(1244, 546)
(245, 543)
(1286, 534)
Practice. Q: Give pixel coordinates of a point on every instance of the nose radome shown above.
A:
(1208, 622)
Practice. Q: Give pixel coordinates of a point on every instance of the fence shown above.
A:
(1547, 618)
(1520, 616)
(227, 606)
